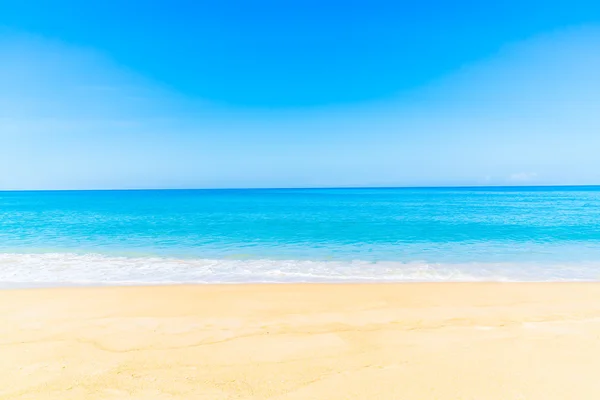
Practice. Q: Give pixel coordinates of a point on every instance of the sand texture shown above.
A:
(400, 341)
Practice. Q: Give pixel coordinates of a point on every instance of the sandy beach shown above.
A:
(396, 341)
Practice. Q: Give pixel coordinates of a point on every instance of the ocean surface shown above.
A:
(299, 235)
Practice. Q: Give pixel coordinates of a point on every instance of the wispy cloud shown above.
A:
(522, 177)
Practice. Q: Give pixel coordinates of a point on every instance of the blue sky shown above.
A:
(187, 94)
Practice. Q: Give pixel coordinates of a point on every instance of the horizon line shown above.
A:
(310, 187)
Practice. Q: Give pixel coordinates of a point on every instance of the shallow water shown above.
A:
(293, 235)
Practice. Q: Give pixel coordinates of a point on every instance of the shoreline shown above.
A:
(27, 286)
(95, 269)
(432, 340)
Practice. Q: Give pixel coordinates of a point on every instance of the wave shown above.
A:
(52, 269)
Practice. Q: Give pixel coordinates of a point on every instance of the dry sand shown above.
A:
(400, 341)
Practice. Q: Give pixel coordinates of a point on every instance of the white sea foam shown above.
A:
(50, 269)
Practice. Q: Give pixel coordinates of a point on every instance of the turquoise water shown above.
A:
(291, 235)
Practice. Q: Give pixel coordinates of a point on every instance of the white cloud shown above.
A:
(523, 177)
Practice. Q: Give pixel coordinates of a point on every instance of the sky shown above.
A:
(217, 94)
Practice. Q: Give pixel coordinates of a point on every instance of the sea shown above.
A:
(148, 237)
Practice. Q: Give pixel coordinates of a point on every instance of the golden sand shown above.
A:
(398, 341)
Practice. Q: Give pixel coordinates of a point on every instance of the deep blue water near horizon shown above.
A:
(300, 235)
